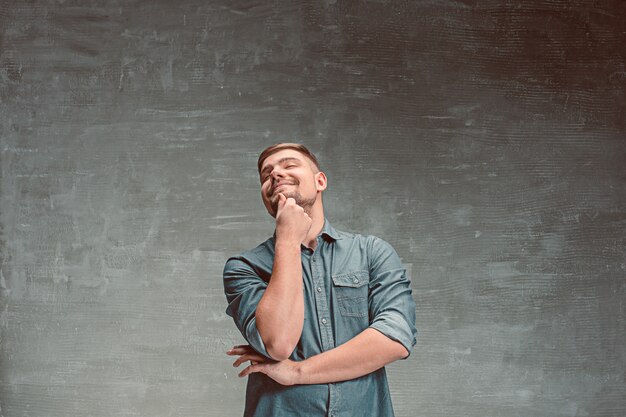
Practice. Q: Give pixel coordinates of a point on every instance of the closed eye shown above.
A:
(288, 162)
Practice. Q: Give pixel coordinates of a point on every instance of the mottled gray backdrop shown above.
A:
(484, 139)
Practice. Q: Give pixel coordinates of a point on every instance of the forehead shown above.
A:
(274, 158)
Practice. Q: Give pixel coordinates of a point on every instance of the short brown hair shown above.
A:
(270, 150)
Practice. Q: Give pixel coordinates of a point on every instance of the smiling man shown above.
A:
(323, 311)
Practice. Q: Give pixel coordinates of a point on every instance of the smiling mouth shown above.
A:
(279, 186)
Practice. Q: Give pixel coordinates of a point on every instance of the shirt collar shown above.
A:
(329, 231)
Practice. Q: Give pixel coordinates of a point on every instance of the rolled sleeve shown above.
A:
(395, 327)
(391, 305)
(243, 289)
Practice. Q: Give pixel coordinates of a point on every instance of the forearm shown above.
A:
(280, 312)
(368, 351)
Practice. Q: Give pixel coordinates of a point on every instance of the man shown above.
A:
(323, 310)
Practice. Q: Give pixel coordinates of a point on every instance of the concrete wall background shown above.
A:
(484, 140)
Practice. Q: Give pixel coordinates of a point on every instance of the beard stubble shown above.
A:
(305, 203)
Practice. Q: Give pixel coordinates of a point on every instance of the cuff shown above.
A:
(254, 338)
(394, 326)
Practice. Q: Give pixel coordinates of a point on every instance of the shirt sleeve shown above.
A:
(244, 288)
(391, 305)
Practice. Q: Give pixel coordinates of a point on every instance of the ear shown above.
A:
(321, 182)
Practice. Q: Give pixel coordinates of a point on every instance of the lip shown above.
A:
(279, 185)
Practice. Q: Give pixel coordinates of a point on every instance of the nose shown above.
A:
(276, 174)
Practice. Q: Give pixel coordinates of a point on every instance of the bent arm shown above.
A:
(365, 353)
(266, 302)
(280, 312)
(270, 314)
(361, 355)
(390, 335)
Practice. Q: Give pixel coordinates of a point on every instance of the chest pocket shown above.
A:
(351, 290)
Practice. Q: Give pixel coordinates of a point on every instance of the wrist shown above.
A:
(283, 243)
(300, 372)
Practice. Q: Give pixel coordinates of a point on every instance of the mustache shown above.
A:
(273, 189)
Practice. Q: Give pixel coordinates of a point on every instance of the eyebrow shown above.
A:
(281, 161)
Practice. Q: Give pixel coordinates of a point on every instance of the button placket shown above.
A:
(321, 302)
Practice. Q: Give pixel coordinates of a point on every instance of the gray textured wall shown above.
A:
(484, 140)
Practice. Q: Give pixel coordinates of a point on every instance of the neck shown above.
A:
(317, 215)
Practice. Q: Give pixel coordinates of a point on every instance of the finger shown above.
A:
(247, 371)
(239, 361)
(250, 370)
(240, 350)
(290, 202)
(241, 346)
(253, 358)
(250, 357)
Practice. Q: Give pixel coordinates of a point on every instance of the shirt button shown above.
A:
(314, 259)
(323, 321)
(355, 280)
(319, 289)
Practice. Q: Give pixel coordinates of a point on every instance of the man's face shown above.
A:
(290, 173)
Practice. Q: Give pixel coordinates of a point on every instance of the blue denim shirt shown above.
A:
(351, 282)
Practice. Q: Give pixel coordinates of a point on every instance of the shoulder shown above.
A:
(365, 249)
(258, 258)
(370, 243)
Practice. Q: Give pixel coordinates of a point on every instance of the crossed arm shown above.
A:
(361, 355)
(279, 319)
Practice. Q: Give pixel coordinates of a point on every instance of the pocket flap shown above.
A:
(353, 279)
